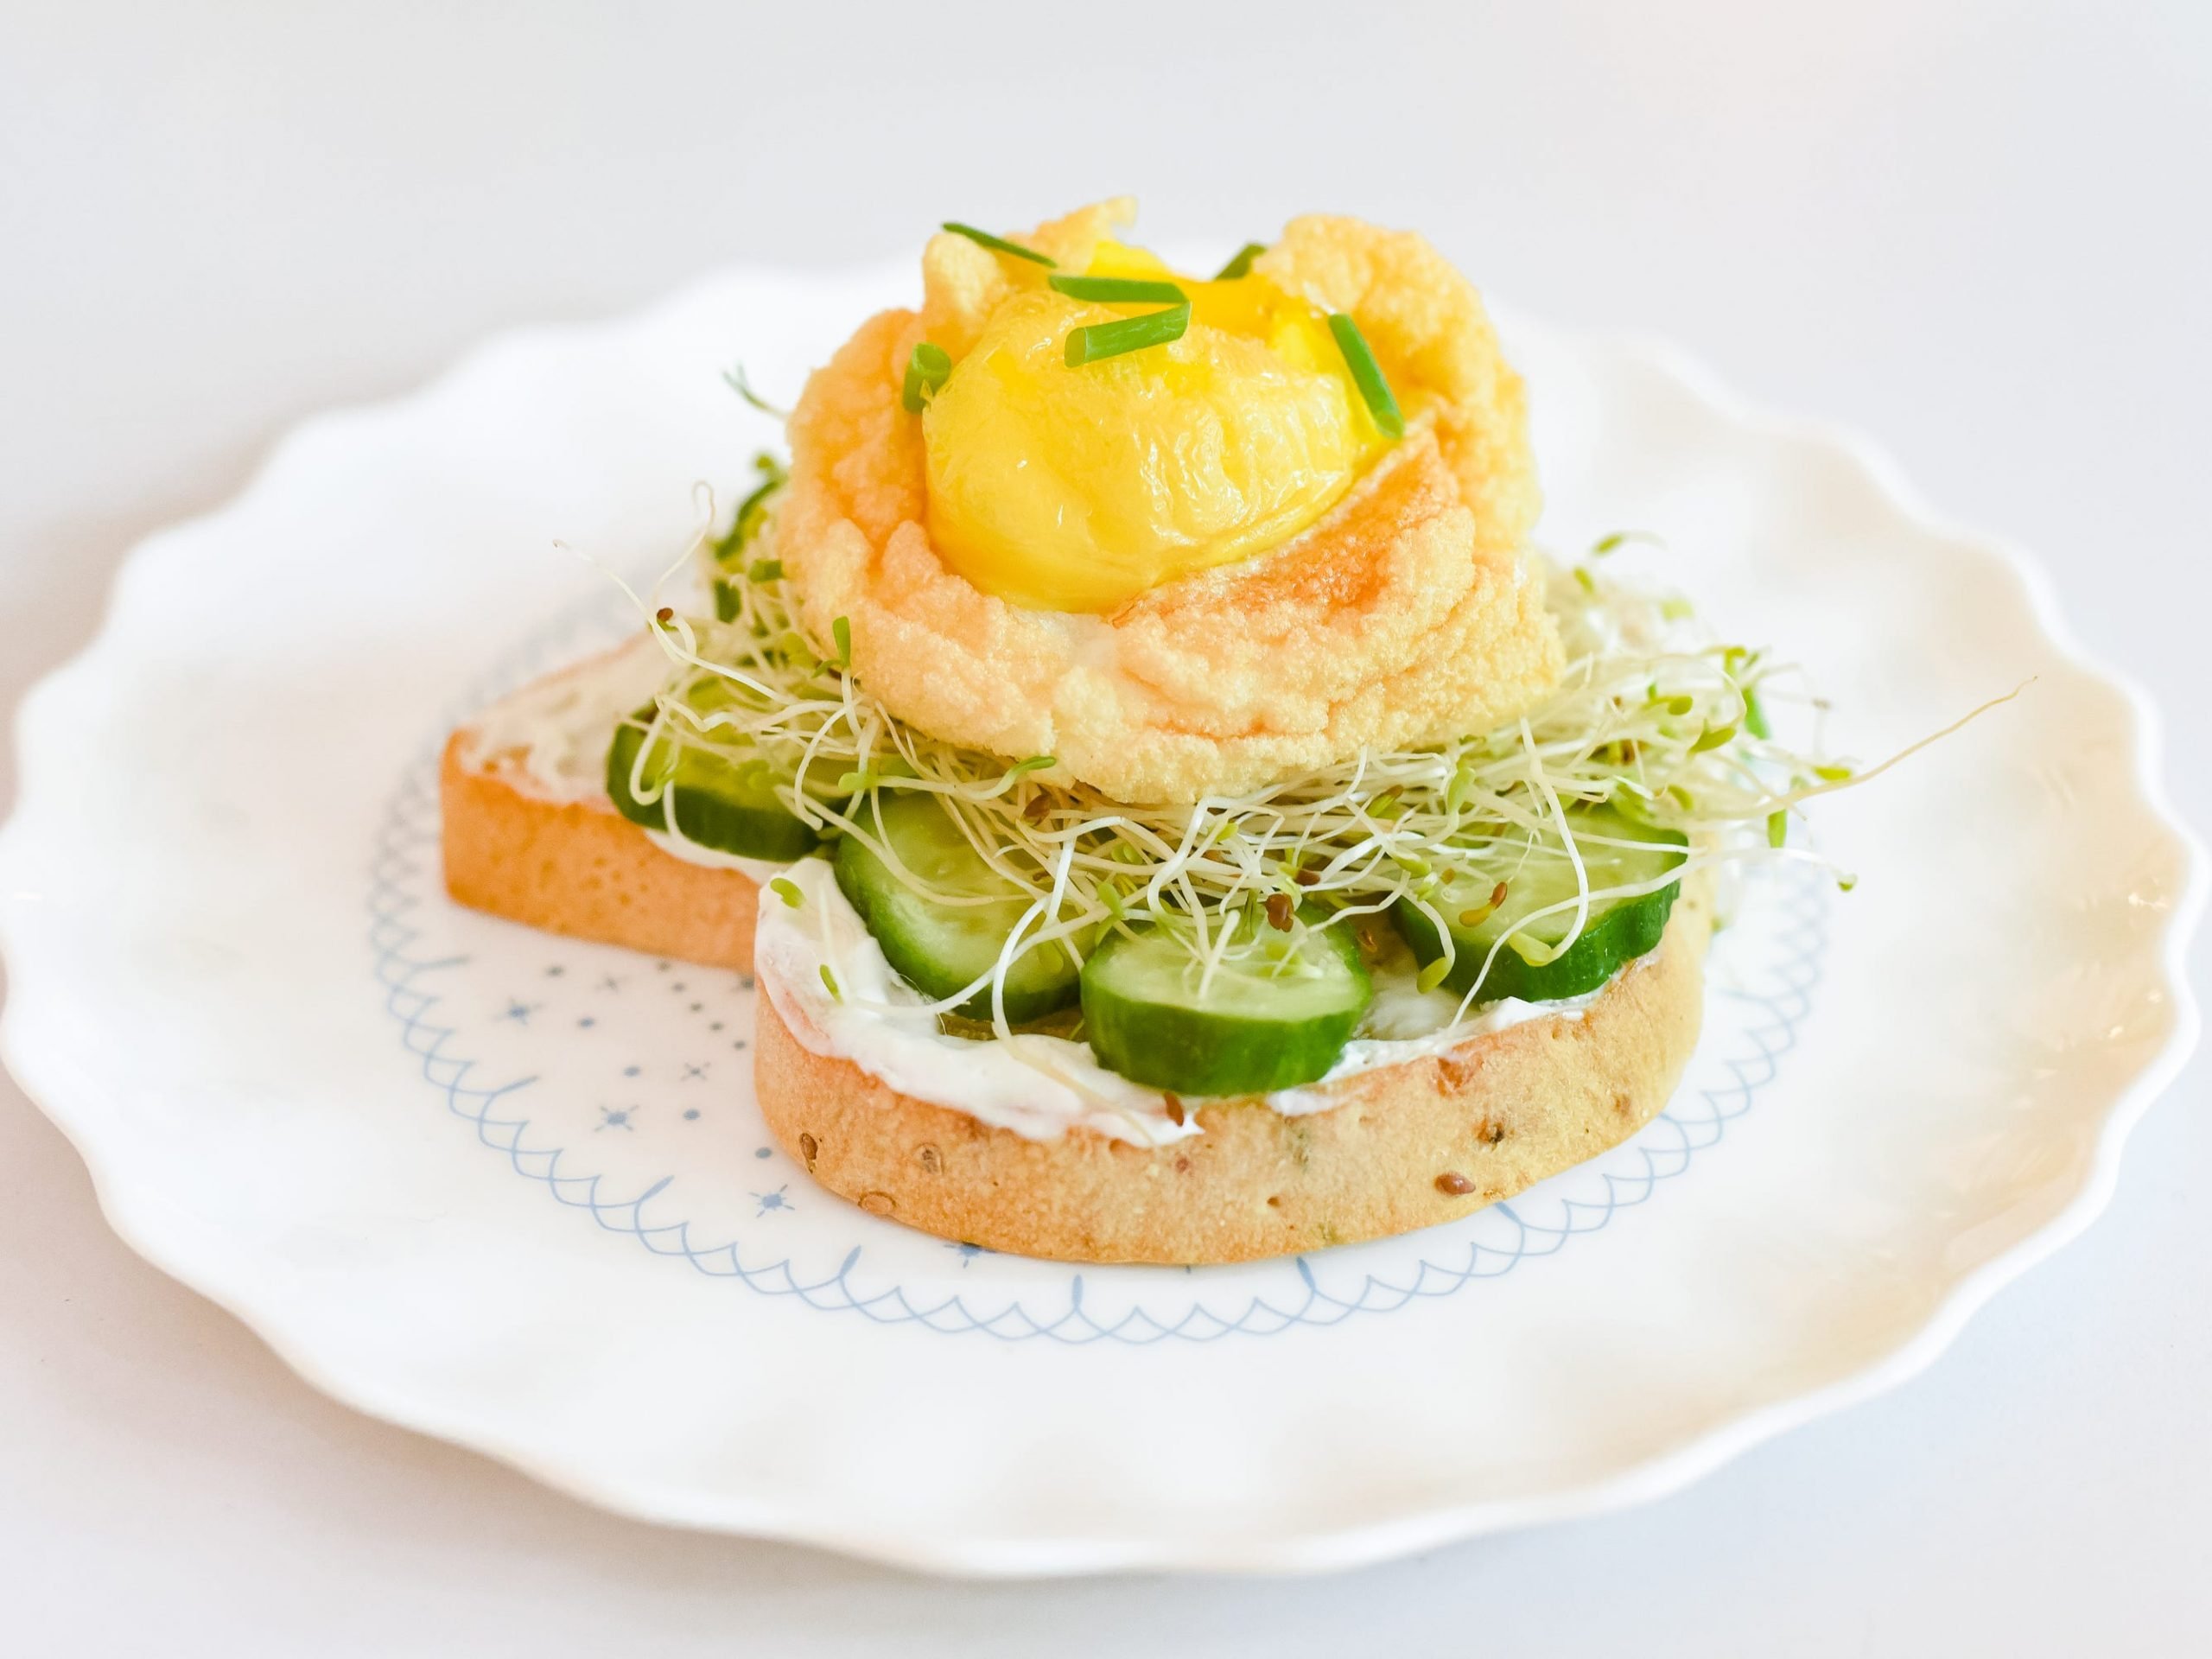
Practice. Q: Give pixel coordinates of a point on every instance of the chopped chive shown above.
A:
(1755, 714)
(1367, 375)
(1240, 265)
(787, 890)
(1117, 290)
(1777, 828)
(842, 631)
(829, 981)
(1104, 340)
(999, 245)
(764, 570)
(927, 370)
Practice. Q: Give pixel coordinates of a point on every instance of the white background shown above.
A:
(1982, 231)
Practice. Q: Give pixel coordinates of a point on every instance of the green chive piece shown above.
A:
(787, 890)
(1755, 714)
(1242, 264)
(766, 570)
(829, 982)
(927, 370)
(1367, 375)
(1117, 290)
(842, 631)
(1104, 340)
(1777, 829)
(999, 245)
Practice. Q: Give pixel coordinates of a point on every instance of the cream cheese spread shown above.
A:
(1037, 1085)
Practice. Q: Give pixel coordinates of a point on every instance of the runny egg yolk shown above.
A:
(1080, 488)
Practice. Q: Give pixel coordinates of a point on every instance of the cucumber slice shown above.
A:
(1537, 876)
(717, 798)
(1276, 1012)
(938, 944)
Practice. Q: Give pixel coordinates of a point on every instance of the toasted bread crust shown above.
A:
(579, 867)
(1498, 1113)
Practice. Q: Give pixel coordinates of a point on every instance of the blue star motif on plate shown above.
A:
(774, 1200)
(615, 1117)
(519, 1011)
(968, 1252)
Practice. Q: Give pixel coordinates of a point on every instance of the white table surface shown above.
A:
(1982, 231)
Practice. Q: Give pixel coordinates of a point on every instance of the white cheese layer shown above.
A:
(1037, 1085)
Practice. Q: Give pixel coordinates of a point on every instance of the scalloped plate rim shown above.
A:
(133, 1210)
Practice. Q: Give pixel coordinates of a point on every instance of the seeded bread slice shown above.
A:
(1403, 1147)
(575, 866)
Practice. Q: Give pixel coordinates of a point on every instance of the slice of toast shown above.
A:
(530, 835)
(1404, 1146)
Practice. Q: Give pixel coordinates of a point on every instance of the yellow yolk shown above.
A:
(1079, 489)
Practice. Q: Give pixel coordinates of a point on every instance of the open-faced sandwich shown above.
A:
(1172, 812)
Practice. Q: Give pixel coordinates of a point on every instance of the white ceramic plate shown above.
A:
(512, 1189)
